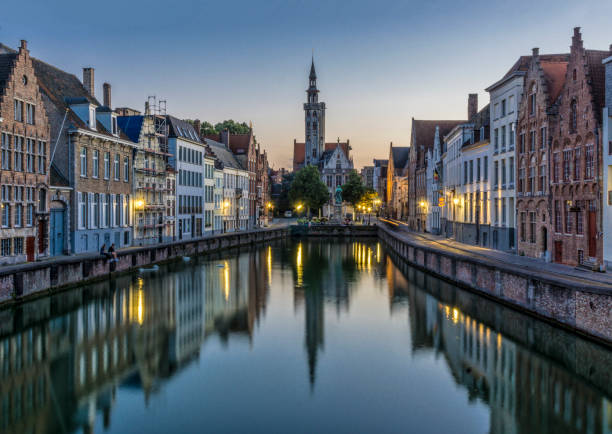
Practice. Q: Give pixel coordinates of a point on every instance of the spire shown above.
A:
(313, 74)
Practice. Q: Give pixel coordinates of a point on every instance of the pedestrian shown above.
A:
(112, 252)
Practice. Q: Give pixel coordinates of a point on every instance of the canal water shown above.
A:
(294, 337)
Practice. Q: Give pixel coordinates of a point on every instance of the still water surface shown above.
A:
(293, 337)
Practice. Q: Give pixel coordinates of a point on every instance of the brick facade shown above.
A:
(24, 139)
(576, 157)
(537, 118)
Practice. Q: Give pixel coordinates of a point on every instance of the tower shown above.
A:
(314, 112)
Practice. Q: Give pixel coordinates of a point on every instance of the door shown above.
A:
(57, 232)
(559, 251)
(592, 234)
(30, 246)
(42, 235)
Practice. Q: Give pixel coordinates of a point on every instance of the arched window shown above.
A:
(574, 74)
(573, 116)
(532, 99)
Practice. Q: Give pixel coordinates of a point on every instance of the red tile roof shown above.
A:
(299, 154)
(597, 73)
(554, 71)
(333, 145)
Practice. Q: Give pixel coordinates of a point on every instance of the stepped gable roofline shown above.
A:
(424, 131)
(64, 89)
(521, 66)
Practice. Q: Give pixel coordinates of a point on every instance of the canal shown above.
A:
(293, 337)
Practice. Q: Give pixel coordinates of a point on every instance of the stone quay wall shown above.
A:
(335, 231)
(20, 282)
(584, 309)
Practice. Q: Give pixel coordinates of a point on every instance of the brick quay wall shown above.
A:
(25, 281)
(583, 308)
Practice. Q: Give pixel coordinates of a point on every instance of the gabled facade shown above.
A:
(536, 124)
(576, 193)
(94, 156)
(421, 140)
(335, 166)
(396, 203)
(25, 152)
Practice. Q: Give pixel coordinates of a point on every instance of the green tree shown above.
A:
(283, 203)
(353, 190)
(308, 189)
(207, 128)
(233, 127)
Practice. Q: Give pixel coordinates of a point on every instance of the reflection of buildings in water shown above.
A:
(324, 273)
(526, 392)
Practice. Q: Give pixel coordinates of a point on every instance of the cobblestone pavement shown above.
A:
(530, 264)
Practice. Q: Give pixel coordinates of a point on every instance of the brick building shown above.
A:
(395, 202)
(24, 140)
(537, 119)
(576, 194)
(93, 157)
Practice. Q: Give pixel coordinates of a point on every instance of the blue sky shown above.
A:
(379, 63)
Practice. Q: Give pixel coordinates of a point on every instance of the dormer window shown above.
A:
(92, 118)
(114, 128)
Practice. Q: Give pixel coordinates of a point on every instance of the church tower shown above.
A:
(315, 121)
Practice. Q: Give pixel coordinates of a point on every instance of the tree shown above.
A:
(308, 189)
(284, 203)
(207, 128)
(233, 127)
(353, 190)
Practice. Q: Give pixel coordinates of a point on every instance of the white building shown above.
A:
(434, 186)
(188, 156)
(335, 166)
(209, 194)
(235, 188)
(505, 95)
(465, 216)
(218, 199)
(607, 167)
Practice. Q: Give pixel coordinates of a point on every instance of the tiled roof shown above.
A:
(223, 154)
(6, 65)
(597, 75)
(299, 153)
(424, 131)
(333, 145)
(522, 65)
(183, 129)
(131, 126)
(400, 157)
(554, 71)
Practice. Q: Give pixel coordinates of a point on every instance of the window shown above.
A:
(577, 164)
(512, 133)
(471, 171)
(18, 106)
(532, 179)
(503, 138)
(503, 173)
(521, 179)
(126, 169)
(496, 210)
(556, 167)
(511, 172)
(532, 141)
(496, 173)
(504, 210)
(573, 117)
(558, 220)
(589, 163)
(485, 205)
(18, 246)
(83, 162)
(542, 177)
(116, 168)
(486, 168)
(95, 205)
(478, 170)
(568, 217)
(579, 218)
(30, 113)
(82, 209)
(92, 118)
(522, 227)
(18, 154)
(114, 125)
(18, 215)
(543, 138)
(532, 227)
(503, 107)
(566, 165)
(6, 151)
(496, 139)
(465, 172)
(532, 100)
(5, 247)
(522, 143)
(106, 165)
(117, 210)
(511, 104)
(6, 215)
(42, 157)
(30, 215)
(30, 155)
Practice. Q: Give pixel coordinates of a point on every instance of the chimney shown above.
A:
(88, 80)
(577, 38)
(106, 95)
(472, 105)
(225, 137)
(147, 108)
(197, 125)
(535, 52)
(23, 45)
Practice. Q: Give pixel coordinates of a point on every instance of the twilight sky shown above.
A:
(379, 63)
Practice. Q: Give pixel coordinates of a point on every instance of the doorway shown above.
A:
(592, 234)
(57, 231)
(559, 252)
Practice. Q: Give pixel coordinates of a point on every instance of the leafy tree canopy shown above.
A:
(307, 188)
(229, 124)
(353, 190)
